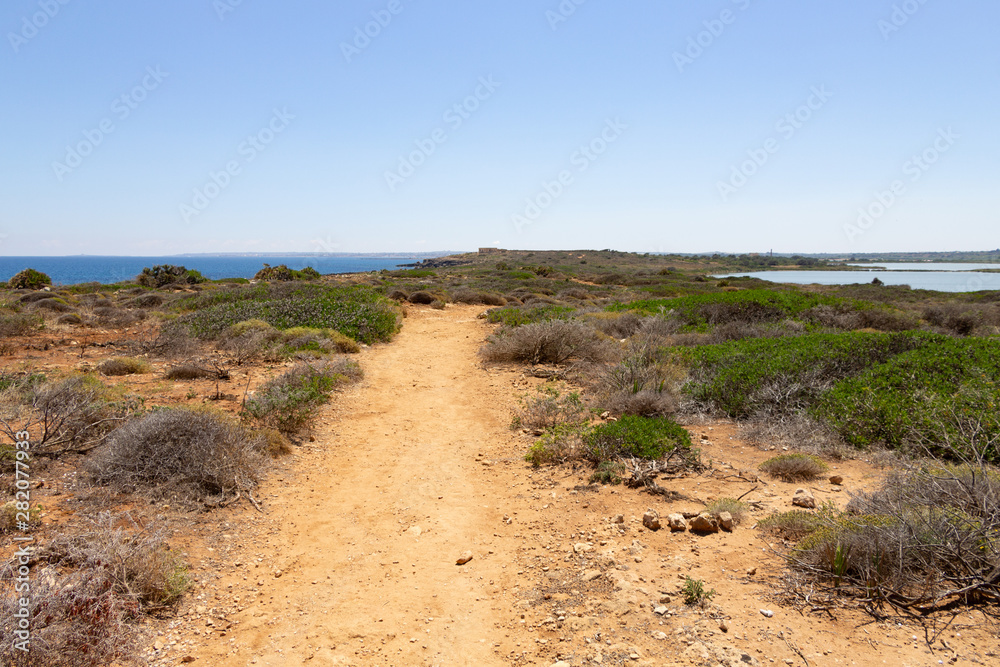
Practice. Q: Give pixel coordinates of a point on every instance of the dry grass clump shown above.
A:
(135, 559)
(797, 430)
(422, 297)
(477, 297)
(189, 372)
(18, 324)
(554, 341)
(738, 509)
(118, 366)
(794, 467)
(190, 454)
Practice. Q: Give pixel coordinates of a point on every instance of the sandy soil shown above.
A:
(353, 561)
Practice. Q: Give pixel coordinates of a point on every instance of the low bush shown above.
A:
(169, 274)
(286, 402)
(18, 324)
(53, 304)
(135, 559)
(558, 444)
(299, 339)
(554, 342)
(747, 306)
(794, 467)
(70, 318)
(190, 454)
(695, 593)
(645, 383)
(550, 407)
(356, 311)
(29, 279)
(738, 509)
(423, 298)
(477, 297)
(282, 272)
(189, 372)
(9, 520)
(928, 538)
(793, 525)
(518, 316)
(145, 301)
(638, 437)
(123, 366)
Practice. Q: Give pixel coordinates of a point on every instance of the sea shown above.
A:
(942, 277)
(105, 270)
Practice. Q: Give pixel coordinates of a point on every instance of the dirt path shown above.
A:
(385, 503)
(353, 562)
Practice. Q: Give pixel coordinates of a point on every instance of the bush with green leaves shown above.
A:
(737, 508)
(783, 375)
(356, 311)
(694, 592)
(748, 306)
(29, 279)
(638, 437)
(282, 272)
(286, 402)
(162, 275)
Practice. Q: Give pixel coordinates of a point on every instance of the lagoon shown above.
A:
(927, 278)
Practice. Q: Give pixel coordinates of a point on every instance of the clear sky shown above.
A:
(144, 128)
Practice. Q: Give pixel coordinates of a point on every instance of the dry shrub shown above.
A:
(189, 372)
(424, 298)
(929, 536)
(792, 525)
(118, 317)
(18, 324)
(68, 415)
(550, 407)
(248, 339)
(554, 341)
(69, 318)
(171, 343)
(962, 319)
(148, 300)
(438, 304)
(794, 467)
(575, 293)
(53, 304)
(795, 430)
(32, 297)
(188, 454)
(398, 295)
(277, 443)
(643, 383)
(738, 509)
(616, 325)
(76, 620)
(117, 366)
(478, 298)
(135, 559)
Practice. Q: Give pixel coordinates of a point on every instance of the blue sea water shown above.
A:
(87, 268)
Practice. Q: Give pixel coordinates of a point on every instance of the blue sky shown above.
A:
(151, 128)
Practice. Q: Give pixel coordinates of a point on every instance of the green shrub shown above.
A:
(356, 311)
(943, 392)
(558, 444)
(608, 472)
(282, 272)
(550, 407)
(721, 307)
(792, 525)
(694, 592)
(782, 375)
(794, 467)
(639, 437)
(286, 402)
(162, 275)
(29, 279)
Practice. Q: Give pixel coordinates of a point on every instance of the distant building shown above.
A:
(491, 251)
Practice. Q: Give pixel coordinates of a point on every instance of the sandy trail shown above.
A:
(386, 502)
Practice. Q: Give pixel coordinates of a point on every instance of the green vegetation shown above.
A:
(694, 592)
(737, 508)
(757, 305)
(355, 311)
(282, 272)
(163, 275)
(286, 402)
(29, 279)
(639, 437)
